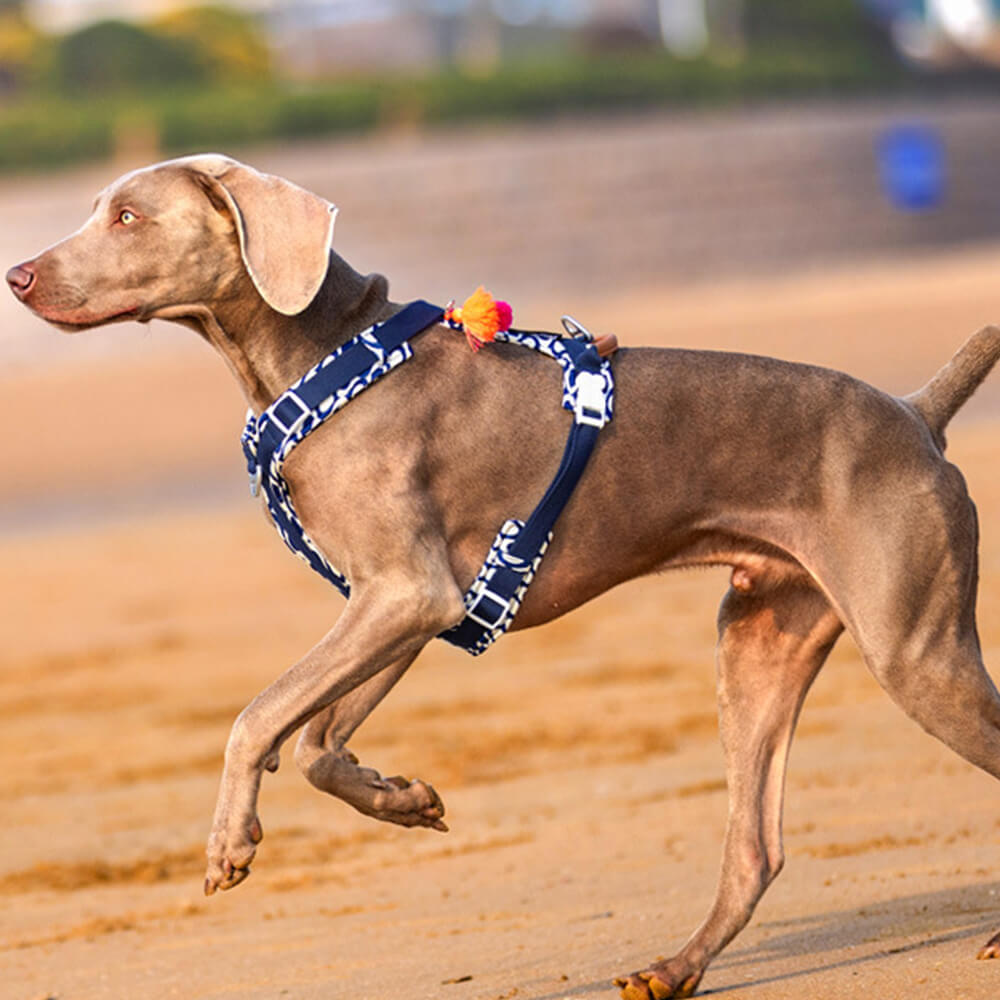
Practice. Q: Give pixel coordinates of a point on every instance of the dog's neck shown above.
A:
(268, 351)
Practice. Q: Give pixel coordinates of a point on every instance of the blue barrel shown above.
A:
(912, 167)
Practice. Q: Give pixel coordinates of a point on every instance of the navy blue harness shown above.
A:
(496, 594)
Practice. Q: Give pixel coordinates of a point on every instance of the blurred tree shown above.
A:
(118, 57)
(226, 42)
(23, 48)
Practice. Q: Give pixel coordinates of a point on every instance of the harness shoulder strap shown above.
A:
(357, 357)
(338, 378)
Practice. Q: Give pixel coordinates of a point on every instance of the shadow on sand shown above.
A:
(893, 927)
(897, 926)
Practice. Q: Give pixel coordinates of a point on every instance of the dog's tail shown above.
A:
(946, 393)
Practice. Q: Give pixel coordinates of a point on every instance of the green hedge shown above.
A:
(540, 89)
(231, 118)
(53, 133)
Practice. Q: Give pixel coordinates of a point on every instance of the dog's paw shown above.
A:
(657, 983)
(391, 800)
(409, 803)
(991, 949)
(229, 856)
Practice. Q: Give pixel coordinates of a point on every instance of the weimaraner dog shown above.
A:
(831, 501)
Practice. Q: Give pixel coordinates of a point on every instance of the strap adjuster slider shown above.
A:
(289, 423)
(487, 596)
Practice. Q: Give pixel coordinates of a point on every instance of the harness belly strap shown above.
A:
(496, 594)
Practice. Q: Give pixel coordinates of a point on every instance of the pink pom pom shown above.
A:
(505, 315)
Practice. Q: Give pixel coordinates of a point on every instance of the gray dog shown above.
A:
(831, 501)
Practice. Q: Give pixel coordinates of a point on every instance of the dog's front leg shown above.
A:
(384, 623)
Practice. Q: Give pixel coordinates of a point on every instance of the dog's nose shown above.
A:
(21, 278)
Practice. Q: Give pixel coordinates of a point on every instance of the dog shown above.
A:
(832, 502)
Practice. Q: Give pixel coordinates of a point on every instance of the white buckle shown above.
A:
(288, 394)
(496, 599)
(255, 480)
(591, 399)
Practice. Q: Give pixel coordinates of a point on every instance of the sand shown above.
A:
(145, 601)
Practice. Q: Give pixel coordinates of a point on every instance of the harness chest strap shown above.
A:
(495, 595)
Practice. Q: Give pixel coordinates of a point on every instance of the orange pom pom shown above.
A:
(481, 316)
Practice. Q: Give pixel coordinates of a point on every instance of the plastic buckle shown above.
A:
(304, 411)
(591, 399)
(501, 602)
(256, 477)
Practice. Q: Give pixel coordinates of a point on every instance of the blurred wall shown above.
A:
(559, 209)
(661, 198)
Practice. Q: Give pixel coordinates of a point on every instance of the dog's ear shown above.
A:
(285, 232)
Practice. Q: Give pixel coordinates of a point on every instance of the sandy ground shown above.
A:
(579, 762)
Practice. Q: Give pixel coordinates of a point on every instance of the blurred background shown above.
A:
(544, 146)
(815, 180)
(626, 157)
(541, 145)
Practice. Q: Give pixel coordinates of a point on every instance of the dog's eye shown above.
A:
(126, 217)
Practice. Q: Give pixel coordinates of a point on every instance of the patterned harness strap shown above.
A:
(496, 594)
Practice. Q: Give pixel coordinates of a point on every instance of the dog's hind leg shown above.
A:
(772, 644)
(322, 756)
(913, 616)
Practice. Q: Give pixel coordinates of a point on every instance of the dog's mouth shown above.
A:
(78, 325)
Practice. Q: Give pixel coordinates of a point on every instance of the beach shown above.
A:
(146, 600)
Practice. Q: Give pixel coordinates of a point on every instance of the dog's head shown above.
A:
(178, 234)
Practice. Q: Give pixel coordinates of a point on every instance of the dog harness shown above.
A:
(495, 596)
